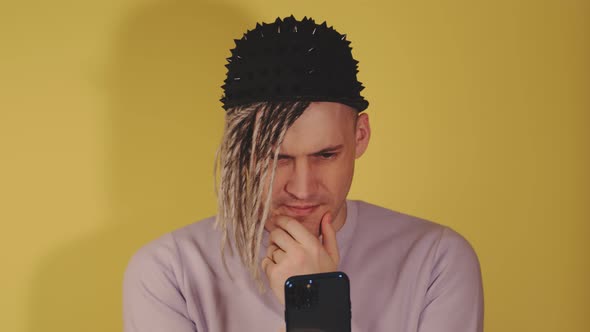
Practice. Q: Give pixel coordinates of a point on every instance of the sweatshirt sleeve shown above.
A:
(152, 298)
(454, 299)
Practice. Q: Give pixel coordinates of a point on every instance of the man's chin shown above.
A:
(311, 221)
(314, 229)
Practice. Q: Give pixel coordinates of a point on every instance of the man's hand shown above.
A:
(293, 250)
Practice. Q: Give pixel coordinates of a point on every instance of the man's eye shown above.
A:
(327, 155)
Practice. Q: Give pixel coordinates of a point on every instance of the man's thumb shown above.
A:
(329, 238)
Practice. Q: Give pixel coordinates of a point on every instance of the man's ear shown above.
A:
(362, 135)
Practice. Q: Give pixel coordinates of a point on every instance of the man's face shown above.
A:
(316, 164)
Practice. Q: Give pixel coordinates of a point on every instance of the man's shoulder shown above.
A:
(202, 230)
(167, 248)
(379, 218)
(405, 230)
(378, 221)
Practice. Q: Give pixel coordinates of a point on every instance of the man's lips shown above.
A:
(300, 210)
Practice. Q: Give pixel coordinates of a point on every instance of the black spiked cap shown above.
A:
(291, 60)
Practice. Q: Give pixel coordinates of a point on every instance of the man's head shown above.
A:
(316, 164)
(292, 134)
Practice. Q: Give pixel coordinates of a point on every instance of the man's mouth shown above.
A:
(300, 210)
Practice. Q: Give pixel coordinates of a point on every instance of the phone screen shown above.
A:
(318, 303)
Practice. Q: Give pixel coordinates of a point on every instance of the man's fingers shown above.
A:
(278, 255)
(267, 265)
(329, 238)
(275, 253)
(282, 239)
(296, 231)
(270, 250)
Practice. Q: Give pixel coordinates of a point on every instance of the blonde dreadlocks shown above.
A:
(252, 137)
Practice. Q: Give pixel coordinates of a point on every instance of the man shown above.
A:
(294, 128)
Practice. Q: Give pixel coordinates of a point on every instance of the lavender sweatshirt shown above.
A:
(406, 274)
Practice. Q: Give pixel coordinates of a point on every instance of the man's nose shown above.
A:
(301, 184)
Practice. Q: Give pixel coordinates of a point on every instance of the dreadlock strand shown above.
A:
(286, 122)
(251, 141)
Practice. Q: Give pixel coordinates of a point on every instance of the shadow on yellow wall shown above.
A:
(164, 121)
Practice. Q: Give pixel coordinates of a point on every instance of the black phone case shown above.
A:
(318, 303)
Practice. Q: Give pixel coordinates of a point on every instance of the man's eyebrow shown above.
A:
(332, 148)
(328, 149)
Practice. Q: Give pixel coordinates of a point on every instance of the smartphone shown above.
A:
(318, 303)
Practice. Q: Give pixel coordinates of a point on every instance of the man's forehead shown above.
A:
(321, 126)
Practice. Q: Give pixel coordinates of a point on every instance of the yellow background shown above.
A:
(110, 119)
